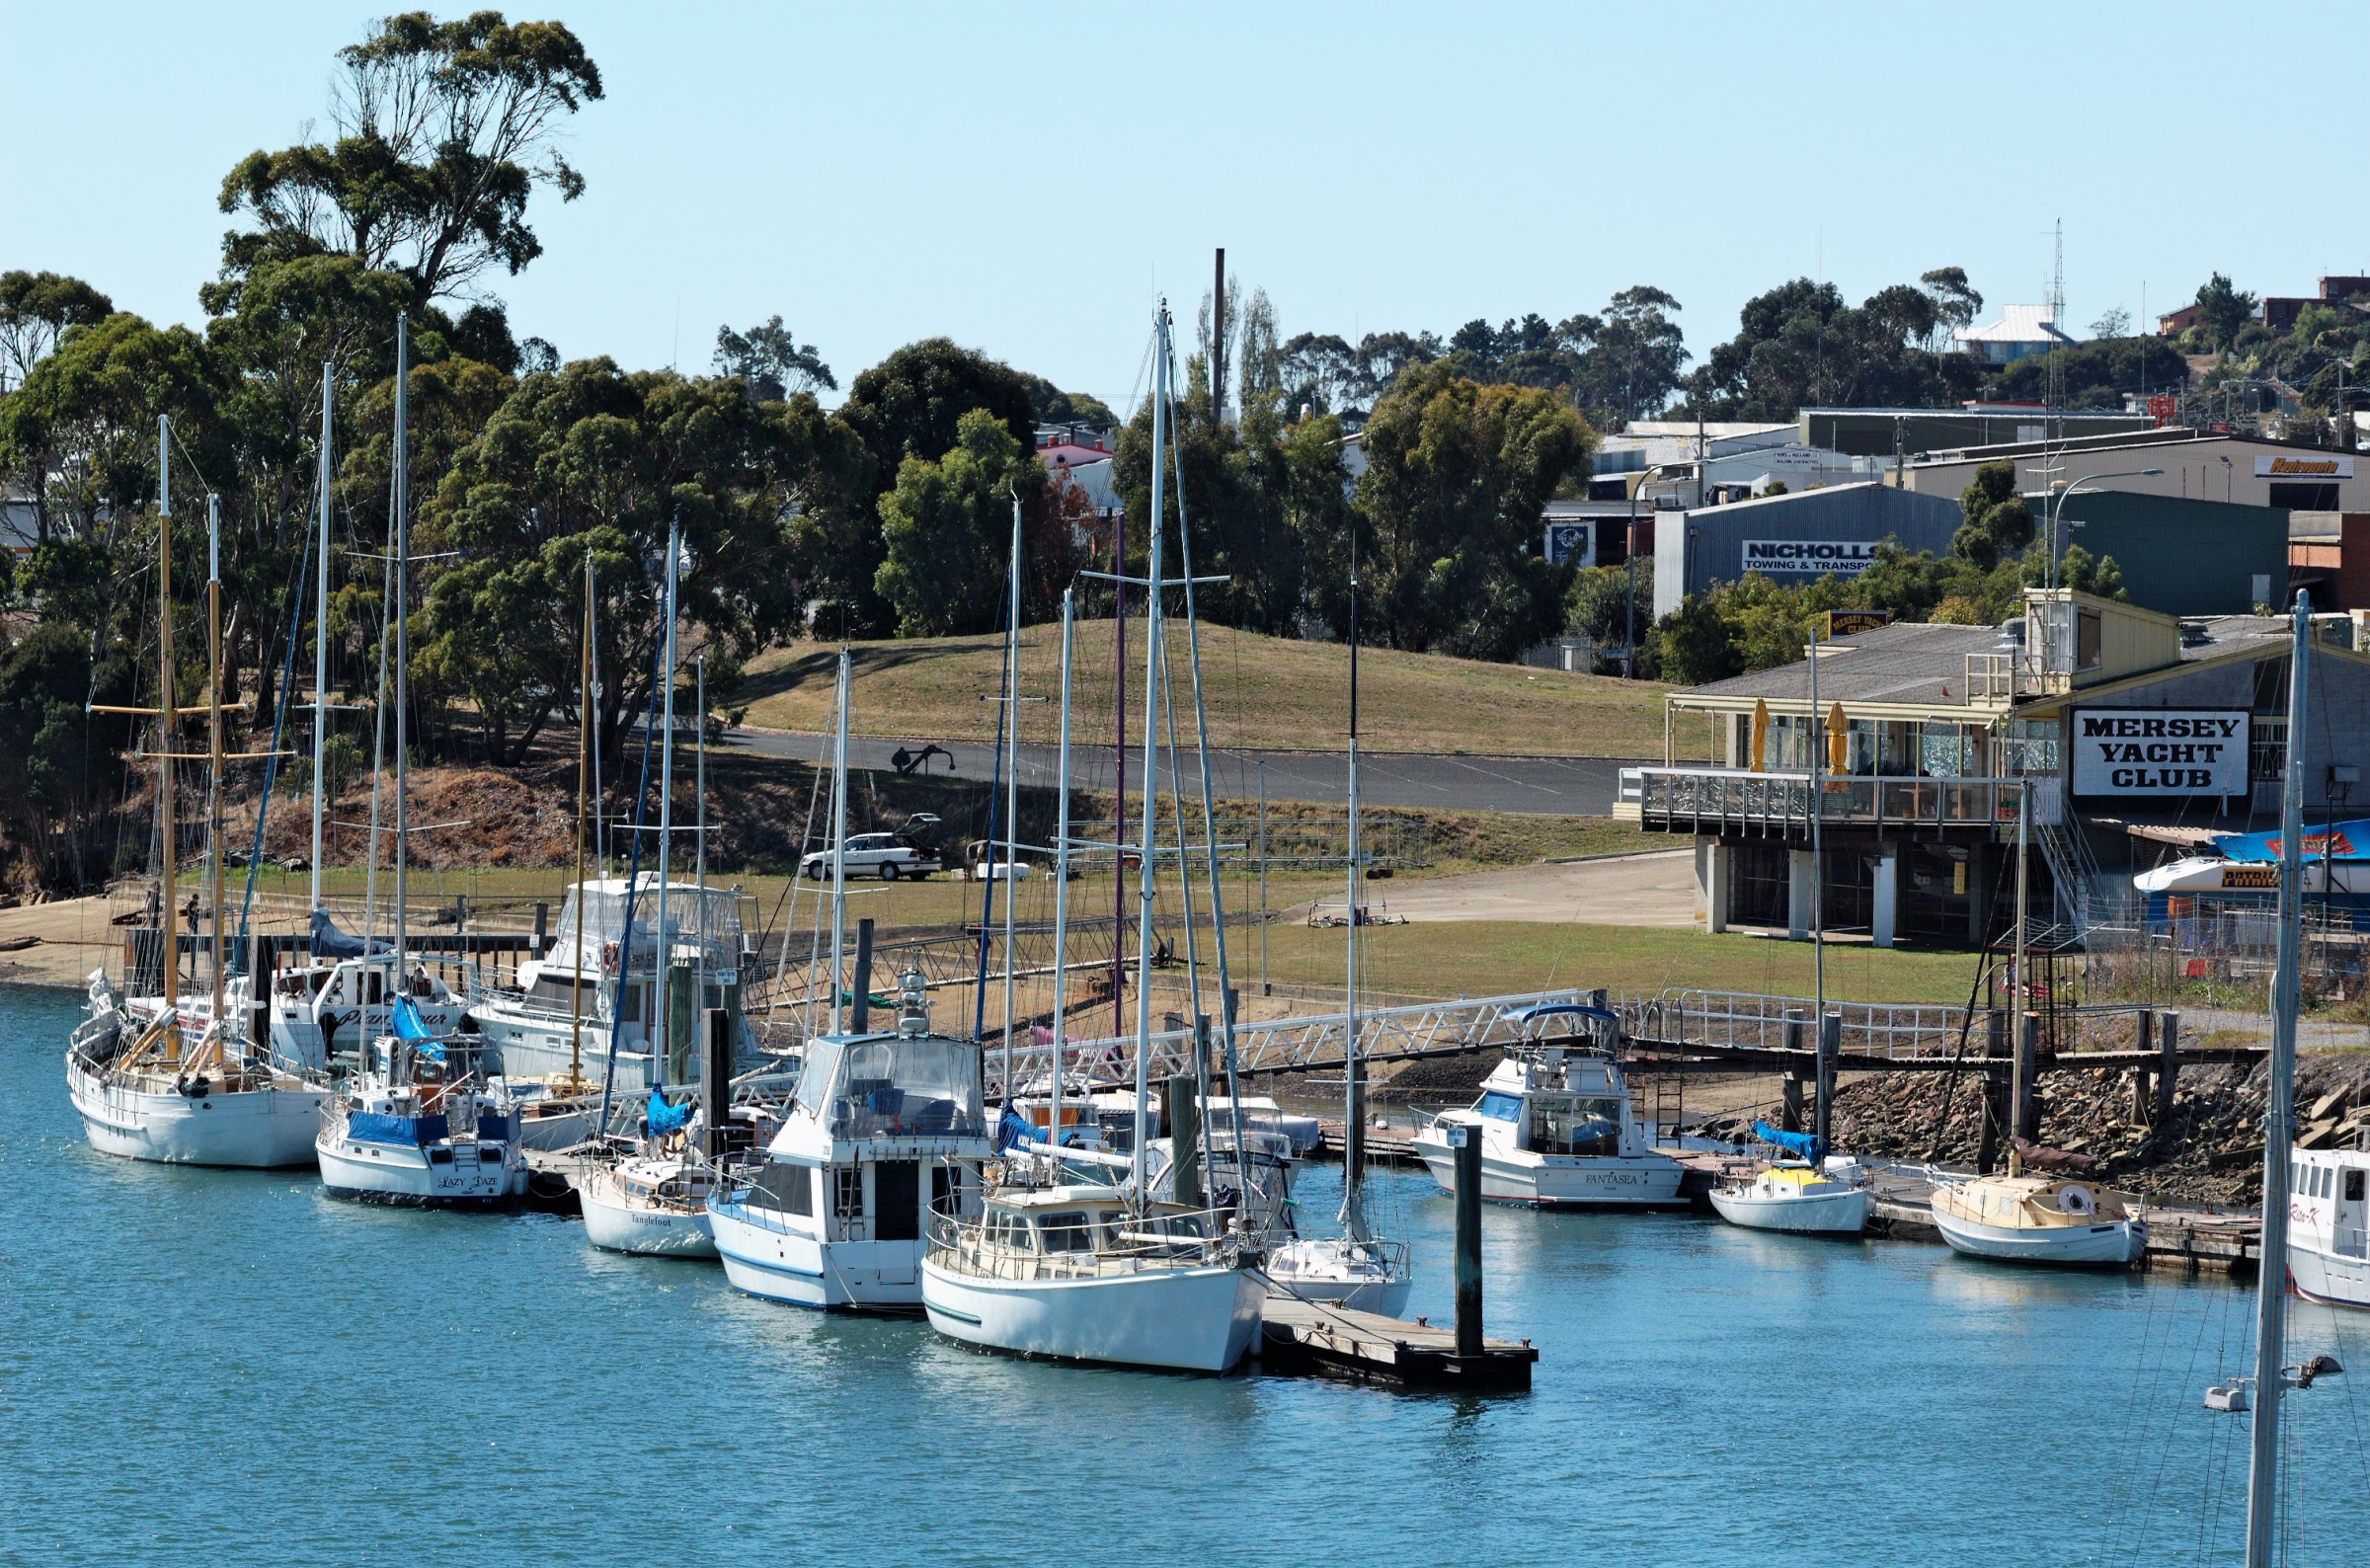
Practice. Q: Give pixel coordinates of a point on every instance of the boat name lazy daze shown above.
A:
(2151, 752)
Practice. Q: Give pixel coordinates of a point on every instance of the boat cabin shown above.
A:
(1549, 1100)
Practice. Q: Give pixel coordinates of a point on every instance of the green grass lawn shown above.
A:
(1261, 692)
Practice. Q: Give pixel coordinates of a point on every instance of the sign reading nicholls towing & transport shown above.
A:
(1772, 556)
(2159, 751)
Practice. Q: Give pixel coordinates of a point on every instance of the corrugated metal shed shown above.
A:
(2184, 557)
(1793, 539)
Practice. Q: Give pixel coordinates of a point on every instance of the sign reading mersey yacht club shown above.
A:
(2159, 751)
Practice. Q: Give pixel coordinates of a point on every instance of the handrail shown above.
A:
(1742, 800)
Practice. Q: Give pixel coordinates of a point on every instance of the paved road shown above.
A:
(1535, 785)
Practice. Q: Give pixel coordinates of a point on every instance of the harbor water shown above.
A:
(227, 1367)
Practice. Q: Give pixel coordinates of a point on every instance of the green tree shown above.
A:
(1695, 645)
(596, 461)
(1999, 524)
(1800, 345)
(946, 527)
(2222, 310)
(1457, 478)
(61, 773)
(35, 309)
(444, 131)
(771, 361)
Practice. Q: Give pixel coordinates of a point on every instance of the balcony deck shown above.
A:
(1736, 803)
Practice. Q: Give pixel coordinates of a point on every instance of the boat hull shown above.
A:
(2108, 1244)
(1843, 1214)
(2330, 1278)
(1638, 1181)
(777, 1264)
(644, 1230)
(398, 1173)
(1191, 1320)
(253, 1130)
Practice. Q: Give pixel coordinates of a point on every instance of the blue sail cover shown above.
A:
(664, 1118)
(404, 1019)
(1805, 1145)
(329, 941)
(367, 1126)
(1015, 1129)
(2334, 840)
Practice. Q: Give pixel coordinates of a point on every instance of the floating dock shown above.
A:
(1318, 1339)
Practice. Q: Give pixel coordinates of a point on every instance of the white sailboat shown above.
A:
(884, 1130)
(1358, 1268)
(427, 1119)
(1556, 1126)
(1092, 1272)
(166, 1081)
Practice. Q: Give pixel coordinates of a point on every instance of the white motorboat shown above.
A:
(1827, 1198)
(882, 1130)
(1075, 1272)
(1556, 1129)
(2328, 1247)
(2042, 1219)
(422, 1126)
(343, 998)
(655, 1207)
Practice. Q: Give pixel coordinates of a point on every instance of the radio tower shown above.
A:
(2057, 320)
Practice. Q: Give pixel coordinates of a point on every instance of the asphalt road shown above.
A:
(1553, 786)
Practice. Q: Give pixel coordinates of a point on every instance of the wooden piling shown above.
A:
(715, 1079)
(1183, 1117)
(1831, 1046)
(1995, 1090)
(862, 1020)
(2143, 1078)
(1468, 1240)
(2168, 1044)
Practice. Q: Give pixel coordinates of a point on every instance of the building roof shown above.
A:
(2016, 323)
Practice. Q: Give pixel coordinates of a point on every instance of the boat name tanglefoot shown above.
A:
(2159, 750)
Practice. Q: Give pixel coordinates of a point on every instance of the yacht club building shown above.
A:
(2130, 735)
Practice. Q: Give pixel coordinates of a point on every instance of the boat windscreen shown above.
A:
(864, 1088)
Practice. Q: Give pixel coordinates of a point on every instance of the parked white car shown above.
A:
(873, 855)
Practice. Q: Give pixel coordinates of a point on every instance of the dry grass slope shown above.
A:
(1262, 691)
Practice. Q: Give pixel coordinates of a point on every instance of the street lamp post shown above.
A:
(2060, 490)
(1629, 634)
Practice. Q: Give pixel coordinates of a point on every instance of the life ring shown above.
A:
(2076, 1201)
(609, 957)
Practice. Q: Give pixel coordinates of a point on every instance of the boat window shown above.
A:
(378, 979)
(849, 1202)
(1566, 1124)
(2321, 1183)
(1008, 1230)
(1501, 1107)
(1067, 1231)
(789, 1188)
(2353, 1185)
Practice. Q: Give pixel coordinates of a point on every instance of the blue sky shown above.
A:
(1027, 178)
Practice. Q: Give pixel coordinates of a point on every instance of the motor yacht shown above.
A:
(1556, 1129)
(2328, 1248)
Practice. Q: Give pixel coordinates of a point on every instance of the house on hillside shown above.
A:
(2021, 329)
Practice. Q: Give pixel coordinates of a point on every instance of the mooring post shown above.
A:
(715, 1079)
(1831, 1046)
(1995, 1091)
(1183, 1114)
(1467, 1142)
(1789, 1116)
(542, 926)
(860, 1020)
(262, 971)
(2167, 1065)
(2142, 1078)
(2025, 1116)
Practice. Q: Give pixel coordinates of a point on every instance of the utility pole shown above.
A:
(1218, 344)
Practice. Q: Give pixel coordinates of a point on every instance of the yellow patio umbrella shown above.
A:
(1761, 735)
(1839, 740)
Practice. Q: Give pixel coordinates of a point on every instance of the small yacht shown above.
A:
(1080, 1273)
(560, 1017)
(882, 1130)
(1556, 1129)
(1814, 1193)
(2044, 1220)
(423, 1125)
(650, 1206)
(174, 1092)
(2328, 1250)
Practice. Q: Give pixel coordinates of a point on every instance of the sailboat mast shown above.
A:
(321, 631)
(1011, 784)
(583, 798)
(1352, 1139)
(665, 1055)
(1151, 751)
(166, 832)
(1060, 878)
(1818, 888)
(1118, 785)
(403, 646)
(699, 834)
(2019, 989)
(213, 755)
(839, 841)
(2271, 1310)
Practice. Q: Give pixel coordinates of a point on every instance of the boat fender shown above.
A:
(2075, 1200)
(197, 1088)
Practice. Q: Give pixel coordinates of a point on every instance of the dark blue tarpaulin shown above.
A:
(367, 1127)
(329, 941)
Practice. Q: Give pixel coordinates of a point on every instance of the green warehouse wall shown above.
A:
(2180, 556)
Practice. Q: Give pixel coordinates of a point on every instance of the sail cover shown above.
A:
(329, 941)
(664, 1118)
(1806, 1145)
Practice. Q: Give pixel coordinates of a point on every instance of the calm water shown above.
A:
(229, 1367)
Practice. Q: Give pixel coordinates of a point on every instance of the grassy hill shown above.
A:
(1261, 692)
